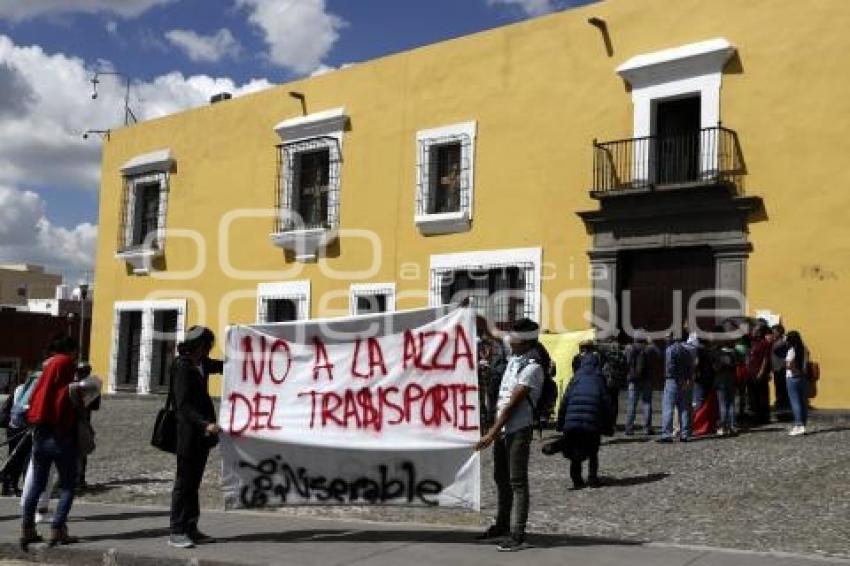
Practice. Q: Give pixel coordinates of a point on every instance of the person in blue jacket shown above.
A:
(584, 415)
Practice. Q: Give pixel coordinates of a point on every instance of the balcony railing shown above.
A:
(710, 156)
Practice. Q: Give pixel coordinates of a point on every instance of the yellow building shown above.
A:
(481, 166)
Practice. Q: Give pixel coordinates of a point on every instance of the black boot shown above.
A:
(59, 536)
(28, 536)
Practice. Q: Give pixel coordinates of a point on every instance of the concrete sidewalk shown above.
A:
(137, 535)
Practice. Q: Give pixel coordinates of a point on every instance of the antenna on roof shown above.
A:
(95, 80)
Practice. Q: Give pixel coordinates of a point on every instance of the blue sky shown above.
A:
(178, 52)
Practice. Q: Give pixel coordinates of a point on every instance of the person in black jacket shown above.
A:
(197, 433)
(584, 415)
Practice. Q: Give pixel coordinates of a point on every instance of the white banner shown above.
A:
(378, 409)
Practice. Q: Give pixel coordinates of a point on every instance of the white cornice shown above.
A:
(318, 124)
(160, 160)
(693, 59)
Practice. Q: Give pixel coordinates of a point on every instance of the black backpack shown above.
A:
(549, 392)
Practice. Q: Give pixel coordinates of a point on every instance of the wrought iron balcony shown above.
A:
(710, 156)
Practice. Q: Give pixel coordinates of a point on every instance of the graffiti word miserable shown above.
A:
(276, 482)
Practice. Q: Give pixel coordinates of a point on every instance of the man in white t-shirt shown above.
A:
(511, 435)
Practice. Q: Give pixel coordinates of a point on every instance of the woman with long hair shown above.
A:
(197, 434)
(797, 382)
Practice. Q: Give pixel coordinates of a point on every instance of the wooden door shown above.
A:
(653, 277)
(677, 140)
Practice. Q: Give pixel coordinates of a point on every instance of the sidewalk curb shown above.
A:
(71, 556)
(825, 558)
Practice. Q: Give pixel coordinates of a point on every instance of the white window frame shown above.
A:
(692, 69)
(358, 290)
(150, 168)
(426, 140)
(322, 130)
(147, 308)
(490, 259)
(298, 291)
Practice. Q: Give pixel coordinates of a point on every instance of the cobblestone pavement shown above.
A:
(759, 491)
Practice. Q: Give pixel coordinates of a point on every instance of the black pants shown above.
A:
(614, 399)
(185, 504)
(759, 393)
(20, 449)
(782, 402)
(583, 445)
(510, 471)
(81, 470)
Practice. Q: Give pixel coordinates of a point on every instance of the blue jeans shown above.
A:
(726, 402)
(798, 395)
(49, 448)
(675, 396)
(641, 390)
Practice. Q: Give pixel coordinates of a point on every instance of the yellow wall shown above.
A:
(540, 91)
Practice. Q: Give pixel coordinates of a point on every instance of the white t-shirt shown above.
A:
(520, 371)
(789, 359)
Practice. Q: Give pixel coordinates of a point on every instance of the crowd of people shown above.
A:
(49, 434)
(709, 387)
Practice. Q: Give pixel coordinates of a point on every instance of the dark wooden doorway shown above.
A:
(677, 140)
(652, 278)
(129, 350)
(164, 348)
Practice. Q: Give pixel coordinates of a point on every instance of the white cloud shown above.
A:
(530, 7)
(27, 235)
(46, 105)
(208, 48)
(299, 33)
(17, 10)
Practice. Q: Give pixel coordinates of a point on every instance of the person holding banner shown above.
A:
(511, 435)
(197, 433)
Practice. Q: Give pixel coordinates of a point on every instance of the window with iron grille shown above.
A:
(372, 298)
(445, 180)
(371, 304)
(503, 293)
(143, 211)
(147, 216)
(445, 175)
(281, 310)
(309, 185)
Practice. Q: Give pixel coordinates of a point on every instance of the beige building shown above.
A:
(20, 282)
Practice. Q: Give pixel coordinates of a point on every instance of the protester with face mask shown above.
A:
(511, 436)
(197, 433)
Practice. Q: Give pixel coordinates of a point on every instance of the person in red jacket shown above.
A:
(54, 422)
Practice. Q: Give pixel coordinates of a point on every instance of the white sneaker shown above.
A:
(43, 517)
(797, 431)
